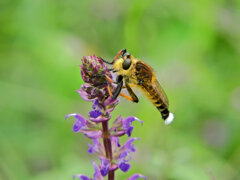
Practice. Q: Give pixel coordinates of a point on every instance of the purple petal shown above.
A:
(96, 104)
(127, 124)
(95, 147)
(110, 101)
(105, 167)
(104, 171)
(111, 104)
(128, 121)
(123, 155)
(125, 150)
(124, 166)
(97, 174)
(92, 134)
(79, 123)
(136, 176)
(84, 95)
(99, 119)
(117, 133)
(129, 131)
(91, 149)
(77, 126)
(122, 161)
(115, 142)
(128, 145)
(89, 92)
(95, 113)
(82, 177)
(118, 121)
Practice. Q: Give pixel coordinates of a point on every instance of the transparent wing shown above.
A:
(150, 82)
(161, 92)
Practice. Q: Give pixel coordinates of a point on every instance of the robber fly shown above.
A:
(139, 74)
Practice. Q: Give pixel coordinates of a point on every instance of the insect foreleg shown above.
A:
(111, 69)
(121, 52)
(119, 87)
(107, 62)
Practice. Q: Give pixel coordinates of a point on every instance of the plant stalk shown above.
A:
(107, 147)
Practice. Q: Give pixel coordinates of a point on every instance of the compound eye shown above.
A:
(126, 64)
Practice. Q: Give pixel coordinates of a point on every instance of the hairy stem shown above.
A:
(107, 147)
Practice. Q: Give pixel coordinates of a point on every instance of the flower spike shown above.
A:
(106, 146)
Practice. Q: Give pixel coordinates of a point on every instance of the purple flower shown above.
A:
(115, 143)
(96, 104)
(94, 113)
(128, 146)
(84, 126)
(136, 176)
(96, 109)
(79, 123)
(100, 118)
(92, 134)
(123, 126)
(122, 161)
(123, 154)
(104, 167)
(124, 166)
(89, 93)
(96, 147)
(110, 104)
(127, 124)
(97, 174)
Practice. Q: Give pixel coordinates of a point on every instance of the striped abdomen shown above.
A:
(156, 95)
(147, 81)
(163, 109)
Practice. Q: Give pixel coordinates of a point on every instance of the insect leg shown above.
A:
(107, 62)
(121, 94)
(117, 89)
(109, 91)
(121, 52)
(131, 93)
(126, 96)
(111, 69)
(109, 79)
(119, 79)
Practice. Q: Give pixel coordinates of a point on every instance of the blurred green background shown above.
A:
(192, 45)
